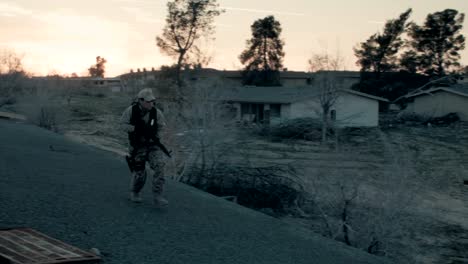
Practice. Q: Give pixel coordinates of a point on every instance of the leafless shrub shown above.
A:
(364, 210)
(208, 150)
(411, 117)
(298, 128)
(276, 187)
(199, 130)
(43, 108)
(12, 76)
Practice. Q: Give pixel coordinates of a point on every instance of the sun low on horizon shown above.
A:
(65, 37)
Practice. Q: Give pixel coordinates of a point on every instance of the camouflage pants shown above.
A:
(153, 156)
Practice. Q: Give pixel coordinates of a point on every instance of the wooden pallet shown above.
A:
(28, 246)
(9, 115)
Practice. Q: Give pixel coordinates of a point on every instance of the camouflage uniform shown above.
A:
(145, 152)
(153, 155)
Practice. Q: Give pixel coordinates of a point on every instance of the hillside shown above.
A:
(403, 184)
(77, 194)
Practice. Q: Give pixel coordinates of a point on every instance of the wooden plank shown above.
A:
(28, 246)
(9, 115)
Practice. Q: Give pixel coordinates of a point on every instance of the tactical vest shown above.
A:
(144, 132)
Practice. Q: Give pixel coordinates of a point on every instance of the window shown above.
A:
(333, 115)
(252, 112)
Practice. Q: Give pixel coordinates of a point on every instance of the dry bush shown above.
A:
(12, 77)
(207, 147)
(44, 108)
(92, 91)
(275, 187)
(366, 210)
(298, 128)
(198, 130)
(412, 118)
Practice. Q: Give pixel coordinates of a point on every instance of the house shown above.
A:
(276, 104)
(234, 78)
(440, 101)
(96, 83)
(113, 84)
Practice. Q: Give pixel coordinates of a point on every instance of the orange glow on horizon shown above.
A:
(65, 37)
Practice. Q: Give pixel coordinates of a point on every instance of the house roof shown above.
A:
(365, 95)
(460, 89)
(238, 74)
(209, 73)
(280, 94)
(343, 74)
(271, 94)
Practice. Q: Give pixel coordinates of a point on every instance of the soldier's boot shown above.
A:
(135, 197)
(160, 201)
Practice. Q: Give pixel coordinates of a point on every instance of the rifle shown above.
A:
(156, 142)
(160, 145)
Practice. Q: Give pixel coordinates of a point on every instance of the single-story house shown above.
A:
(276, 104)
(234, 78)
(440, 101)
(112, 84)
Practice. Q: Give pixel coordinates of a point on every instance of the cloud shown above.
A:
(263, 11)
(13, 10)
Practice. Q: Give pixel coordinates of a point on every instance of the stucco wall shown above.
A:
(351, 110)
(439, 104)
(306, 108)
(357, 111)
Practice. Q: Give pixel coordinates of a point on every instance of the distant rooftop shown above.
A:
(459, 89)
(280, 94)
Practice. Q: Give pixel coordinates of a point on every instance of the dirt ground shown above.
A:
(434, 162)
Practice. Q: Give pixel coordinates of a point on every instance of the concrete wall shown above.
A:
(439, 104)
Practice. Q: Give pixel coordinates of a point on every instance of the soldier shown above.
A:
(144, 123)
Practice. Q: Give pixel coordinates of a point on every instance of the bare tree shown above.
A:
(199, 58)
(10, 62)
(327, 85)
(11, 75)
(328, 95)
(187, 21)
(325, 62)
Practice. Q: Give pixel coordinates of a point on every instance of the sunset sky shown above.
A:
(57, 36)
